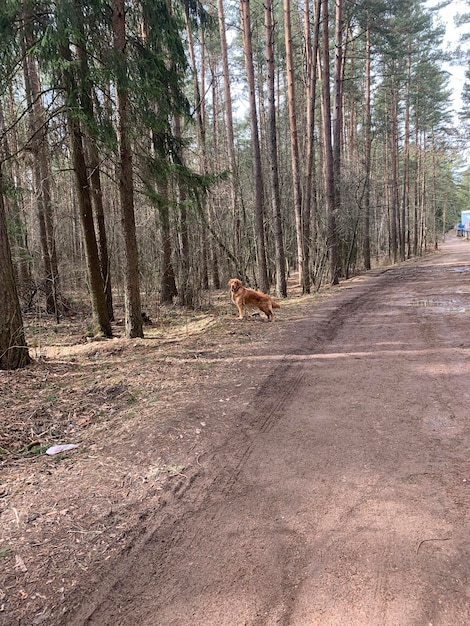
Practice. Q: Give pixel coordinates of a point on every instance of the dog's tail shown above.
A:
(276, 305)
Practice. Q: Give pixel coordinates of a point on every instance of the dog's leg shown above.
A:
(267, 310)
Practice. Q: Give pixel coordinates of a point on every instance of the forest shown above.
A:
(152, 149)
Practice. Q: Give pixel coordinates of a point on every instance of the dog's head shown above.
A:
(234, 284)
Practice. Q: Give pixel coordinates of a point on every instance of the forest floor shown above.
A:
(312, 471)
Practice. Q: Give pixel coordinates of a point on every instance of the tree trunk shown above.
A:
(214, 260)
(423, 195)
(416, 193)
(168, 284)
(367, 154)
(105, 264)
(132, 302)
(280, 261)
(394, 192)
(230, 139)
(199, 109)
(294, 145)
(337, 121)
(328, 167)
(98, 299)
(13, 349)
(186, 289)
(405, 201)
(309, 195)
(257, 169)
(15, 205)
(41, 174)
(198, 99)
(94, 166)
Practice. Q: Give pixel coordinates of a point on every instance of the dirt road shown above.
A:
(341, 493)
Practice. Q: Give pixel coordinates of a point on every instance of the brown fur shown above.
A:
(249, 298)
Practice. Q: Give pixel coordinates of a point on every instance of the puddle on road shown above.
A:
(444, 305)
(459, 269)
(448, 306)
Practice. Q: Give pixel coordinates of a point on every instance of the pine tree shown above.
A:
(13, 349)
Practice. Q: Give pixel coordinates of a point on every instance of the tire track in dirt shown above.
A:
(286, 386)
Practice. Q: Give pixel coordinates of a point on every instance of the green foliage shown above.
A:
(9, 54)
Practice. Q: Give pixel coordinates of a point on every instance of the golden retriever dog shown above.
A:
(249, 298)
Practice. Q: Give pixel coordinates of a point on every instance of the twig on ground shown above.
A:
(436, 539)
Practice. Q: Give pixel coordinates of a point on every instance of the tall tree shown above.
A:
(367, 150)
(234, 186)
(337, 113)
(91, 148)
(280, 260)
(257, 169)
(311, 74)
(41, 169)
(132, 302)
(13, 349)
(328, 162)
(99, 305)
(294, 146)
